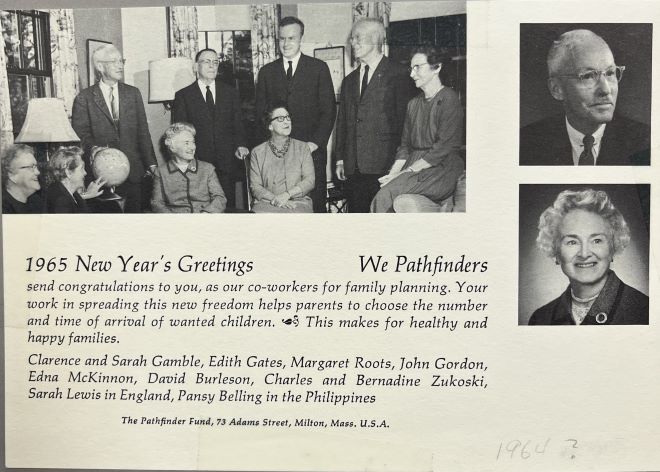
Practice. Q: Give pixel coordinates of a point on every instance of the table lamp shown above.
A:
(46, 122)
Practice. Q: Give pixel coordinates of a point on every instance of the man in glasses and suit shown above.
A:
(585, 79)
(214, 110)
(111, 114)
(372, 109)
(304, 84)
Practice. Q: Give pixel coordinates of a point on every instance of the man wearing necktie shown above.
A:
(111, 114)
(214, 110)
(372, 109)
(304, 85)
(584, 78)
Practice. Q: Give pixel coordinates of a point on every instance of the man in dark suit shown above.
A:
(304, 84)
(585, 79)
(372, 109)
(214, 109)
(111, 113)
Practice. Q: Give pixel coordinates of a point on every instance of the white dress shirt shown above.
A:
(373, 64)
(202, 87)
(294, 63)
(106, 90)
(577, 142)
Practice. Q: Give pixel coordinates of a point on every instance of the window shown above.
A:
(26, 38)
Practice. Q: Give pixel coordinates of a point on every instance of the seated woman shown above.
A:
(281, 169)
(66, 192)
(183, 184)
(428, 161)
(20, 181)
(583, 231)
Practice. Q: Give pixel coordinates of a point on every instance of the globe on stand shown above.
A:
(112, 166)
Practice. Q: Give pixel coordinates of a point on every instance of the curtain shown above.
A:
(380, 10)
(6, 126)
(63, 57)
(265, 24)
(183, 31)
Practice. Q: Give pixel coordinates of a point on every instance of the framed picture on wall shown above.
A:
(334, 57)
(92, 45)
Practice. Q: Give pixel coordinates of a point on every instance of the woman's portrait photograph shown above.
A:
(584, 252)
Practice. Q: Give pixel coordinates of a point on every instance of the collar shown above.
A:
(577, 138)
(202, 87)
(105, 88)
(172, 167)
(294, 61)
(601, 312)
(373, 64)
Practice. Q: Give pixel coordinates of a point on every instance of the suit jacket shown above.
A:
(546, 143)
(310, 99)
(369, 128)
(218, 134)
(618, 302)
(59, 200)
(92, 121)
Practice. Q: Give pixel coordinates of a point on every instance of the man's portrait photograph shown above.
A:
(584, 254)
(585, 94)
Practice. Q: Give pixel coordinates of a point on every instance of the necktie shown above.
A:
(209, 100)
(114, 105)
(365, 80)
(289, 71)
(587, 156)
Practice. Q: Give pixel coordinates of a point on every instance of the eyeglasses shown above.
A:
(115, 62)
(281, 119)
(591, 78)
(208, 62)
(33, 167)
(416, 67)
(361, 38)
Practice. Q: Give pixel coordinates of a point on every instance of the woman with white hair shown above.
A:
(583, 231)
(183, 184)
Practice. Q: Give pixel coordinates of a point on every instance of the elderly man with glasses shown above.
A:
(214, 110)
(110, 113)
(585, 79)
(372, 109)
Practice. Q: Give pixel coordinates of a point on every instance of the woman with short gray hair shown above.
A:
(184, 184)
(20, 181)
(583, 231)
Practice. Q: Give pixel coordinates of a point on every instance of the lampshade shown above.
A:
(166, 76)
(46, 122)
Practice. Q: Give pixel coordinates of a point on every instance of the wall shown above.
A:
(87, 23)
(326, 24)
(288, 9)
(412, 10)
(224, 17)
(145, 39)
